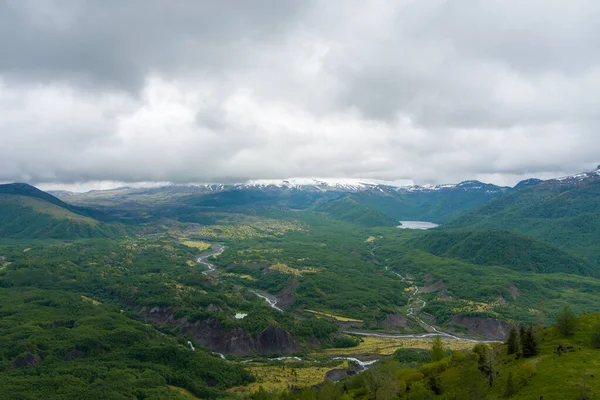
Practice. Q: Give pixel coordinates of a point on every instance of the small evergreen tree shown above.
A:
(565, 322)
(522, 335)
(512, 342)
(529, 343)
(510, 389)
(437, 350)
(488, 361)
(595, 339)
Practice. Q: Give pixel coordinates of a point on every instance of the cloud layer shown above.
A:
(197, 91)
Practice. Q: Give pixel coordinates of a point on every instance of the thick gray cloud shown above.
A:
(193, 91)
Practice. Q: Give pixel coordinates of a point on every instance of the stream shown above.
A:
(271, 300)
(419, 336)
(364, 365)
(217, 249)
(212, 269)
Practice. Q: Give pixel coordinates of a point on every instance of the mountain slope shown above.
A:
(517, 252)
(563, 211)
(438, 204)
(559, 368)
(350, 209)
(23, 189)
(29, 213)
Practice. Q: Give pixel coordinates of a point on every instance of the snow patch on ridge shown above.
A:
(335, 183)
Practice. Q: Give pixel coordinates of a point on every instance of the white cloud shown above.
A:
(431, 91)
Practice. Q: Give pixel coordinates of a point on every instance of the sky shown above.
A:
(97, 94)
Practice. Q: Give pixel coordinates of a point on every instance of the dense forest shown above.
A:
(277, 293)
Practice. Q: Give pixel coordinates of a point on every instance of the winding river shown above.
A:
(272, 302)
(212, 269)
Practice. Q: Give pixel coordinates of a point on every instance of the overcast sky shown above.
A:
(218, 91)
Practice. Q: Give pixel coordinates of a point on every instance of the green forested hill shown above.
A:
(351, 209)
(23, 189)
(58, 345)
(517, 252)
(26, 217)
(440, 205)
(564, 213)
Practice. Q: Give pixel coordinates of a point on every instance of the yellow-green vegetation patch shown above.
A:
(185, 393)
(241, 276)
(180, 287)
(90, 300)
(387, 346)
(244, 227)
(26, 250)
(284, 269)
(370, 239)
(259, 251)
(333, 316)
(468, 306)
(196, 244)
(276, 378)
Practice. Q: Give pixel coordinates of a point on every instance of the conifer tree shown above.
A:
(529, 343)
(510, 386)
(522, 335)
(437, 350)
(513, 341)
(595, 339)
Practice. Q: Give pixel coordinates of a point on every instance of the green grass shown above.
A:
(464, 374)
(23, 217)
(560, 377)
(56, 212)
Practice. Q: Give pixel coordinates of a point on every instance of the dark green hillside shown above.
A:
(58, 345)
(517, 252)
(439, 206)
(566, 214)
(23, 189)
(351, 209)
(253, 199)
(25, 217)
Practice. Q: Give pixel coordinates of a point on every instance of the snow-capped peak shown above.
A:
(350, 184)
(580, 177)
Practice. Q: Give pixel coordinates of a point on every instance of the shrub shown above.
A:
(565, 322)
(595, 339)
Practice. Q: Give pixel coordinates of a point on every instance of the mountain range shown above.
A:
(466, 205)
(297, 267)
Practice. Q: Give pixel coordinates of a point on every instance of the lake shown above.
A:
(417, 225)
